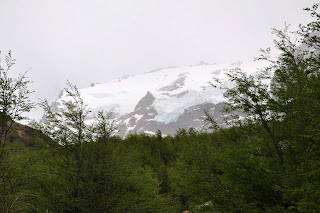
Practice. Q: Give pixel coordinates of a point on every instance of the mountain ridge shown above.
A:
(166, 99)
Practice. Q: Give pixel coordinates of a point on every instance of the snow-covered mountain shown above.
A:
(166, 99)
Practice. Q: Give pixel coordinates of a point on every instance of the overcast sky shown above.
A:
(87, 41)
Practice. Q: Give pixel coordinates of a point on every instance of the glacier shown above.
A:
(162, 99)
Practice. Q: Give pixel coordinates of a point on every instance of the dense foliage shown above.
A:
(266, 162)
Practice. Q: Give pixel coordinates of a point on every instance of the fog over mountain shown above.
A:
(97, 41)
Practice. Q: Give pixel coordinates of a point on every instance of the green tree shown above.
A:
(85, 171)
(14, 101)
(282, 121)
(65, 159)
(105, 126)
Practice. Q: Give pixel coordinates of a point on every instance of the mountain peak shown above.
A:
(145, 102)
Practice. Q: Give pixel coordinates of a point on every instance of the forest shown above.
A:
(266, 162)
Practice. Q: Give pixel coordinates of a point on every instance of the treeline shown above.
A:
(266, 162)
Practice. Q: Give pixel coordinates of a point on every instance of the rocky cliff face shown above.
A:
(165, 99)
